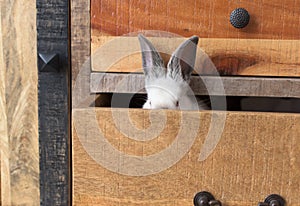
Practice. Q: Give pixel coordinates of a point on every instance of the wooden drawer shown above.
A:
(237, 156)
(117, 61)
(267, 46)
(274, 19)
(246, 57)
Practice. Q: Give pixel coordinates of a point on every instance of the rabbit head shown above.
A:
(168, 88)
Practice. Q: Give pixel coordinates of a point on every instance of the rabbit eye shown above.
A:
(177, 104)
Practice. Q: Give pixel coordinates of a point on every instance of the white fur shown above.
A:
(168, 88)
(167, 93)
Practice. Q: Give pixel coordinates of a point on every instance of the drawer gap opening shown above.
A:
(233, 103)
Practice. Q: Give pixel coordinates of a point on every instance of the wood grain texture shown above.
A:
(54, 107)
(274, 19)
(258, 154)
(81, 50)
(94, 185)
(256, 57)
(5, 193)
(18, 104)
(80, 35)
(202, 85)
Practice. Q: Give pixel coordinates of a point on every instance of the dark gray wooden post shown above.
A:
(54, 106)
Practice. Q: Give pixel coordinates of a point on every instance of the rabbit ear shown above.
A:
(183, 59)
(153, 64)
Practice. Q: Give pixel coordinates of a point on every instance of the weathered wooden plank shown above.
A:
(274, 19)
(54, 108)
(5, 193)
(202, 85)
(18, 104)
(80, 35)
(230, 56)
(255, 154)
(81, 49)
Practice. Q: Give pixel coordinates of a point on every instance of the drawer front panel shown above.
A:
(248, 57)
(256, 154)
(274, 19)
(267, 46)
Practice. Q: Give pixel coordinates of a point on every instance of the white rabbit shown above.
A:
(168, 88)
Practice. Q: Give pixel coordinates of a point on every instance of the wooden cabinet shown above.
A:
(249, 155)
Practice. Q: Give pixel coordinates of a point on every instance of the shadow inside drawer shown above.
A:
(233, 103)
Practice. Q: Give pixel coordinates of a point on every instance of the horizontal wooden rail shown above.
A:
(212, 85)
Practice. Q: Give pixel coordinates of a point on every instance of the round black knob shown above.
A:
(203, 198)
(275, 200)
(239, 18)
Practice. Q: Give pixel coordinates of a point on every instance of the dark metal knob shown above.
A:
(273, 200)
(239, 18)
(205, 199)
(48, 62)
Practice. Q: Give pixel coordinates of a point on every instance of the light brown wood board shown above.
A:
(254, 57)
(200, 85)
(4, 177)
(274, 19)
(19, 151)
(257, 155)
